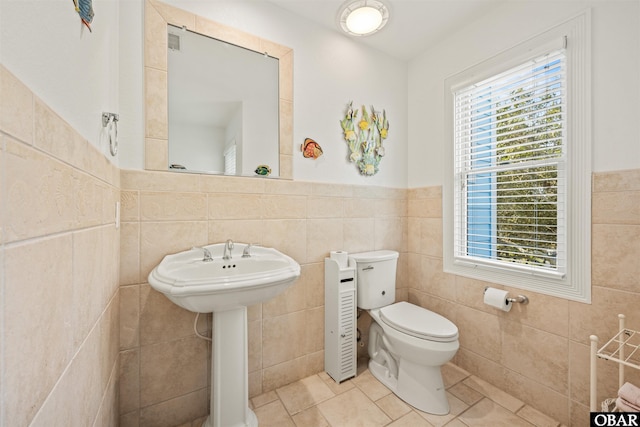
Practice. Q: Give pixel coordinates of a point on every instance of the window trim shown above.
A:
(575, 284)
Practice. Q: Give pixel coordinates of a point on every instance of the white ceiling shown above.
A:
(413, 26)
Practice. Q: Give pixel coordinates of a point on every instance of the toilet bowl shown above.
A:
(409, 362)
(408, 344)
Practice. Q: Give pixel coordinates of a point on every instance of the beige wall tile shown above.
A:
(615, 251)
(622, 207)
(390, 234)
(312, 281)
(431, 237)
(57, 137)
(233, 184)
(159, 181)
(286, 187)
(538, 396)
(282, 207)
(278, 333)
(323, 236)
(129, 206)
(359, 234)
(287, 372)
(624, 180)
(481, 333)
(172, 369)
(172, 206)
(291, 300)
(325, 207)
(156, 154)
(601, 316)
(331, 190)
(234, 206)
(238, 230)
(158, 239)
(73, 400)
(177, 411)
(537, 355)
(130, 253)
(92, 284)
(39, 193)
(160, 319)
(16, 107)
(390, 208)
(129, 317)
(289, 236)
(254, 339)
(359, 207)
(480, 366)
(36, 305)
(92, 198)
(435, 281)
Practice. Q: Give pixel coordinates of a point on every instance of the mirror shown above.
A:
(172, 135)
(223, 106)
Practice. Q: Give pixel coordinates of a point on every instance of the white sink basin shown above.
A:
(208, 286)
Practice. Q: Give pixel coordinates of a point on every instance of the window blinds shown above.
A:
(510, 178)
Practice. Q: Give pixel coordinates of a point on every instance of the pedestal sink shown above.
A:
(203, 280)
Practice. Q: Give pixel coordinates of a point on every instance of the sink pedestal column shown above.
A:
(230, 371)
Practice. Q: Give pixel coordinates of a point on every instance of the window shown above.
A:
(517, 197)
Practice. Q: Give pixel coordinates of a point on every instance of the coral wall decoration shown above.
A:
(364, 137)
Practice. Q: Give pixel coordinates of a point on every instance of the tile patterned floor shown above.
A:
(318, 401)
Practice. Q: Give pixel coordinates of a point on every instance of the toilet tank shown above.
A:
(375, 277)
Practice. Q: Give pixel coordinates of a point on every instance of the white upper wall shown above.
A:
(615, 31)
(75, 72)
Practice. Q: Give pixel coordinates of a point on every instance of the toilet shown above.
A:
(407, 344)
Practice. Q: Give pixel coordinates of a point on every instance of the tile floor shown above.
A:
(318, 401)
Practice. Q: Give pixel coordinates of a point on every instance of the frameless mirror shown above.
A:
(176, 133)
(223, 106)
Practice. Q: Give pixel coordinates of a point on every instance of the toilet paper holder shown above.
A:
(520, 299)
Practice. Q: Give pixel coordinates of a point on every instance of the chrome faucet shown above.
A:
(247, 251)
(207, 254)
(228, 247)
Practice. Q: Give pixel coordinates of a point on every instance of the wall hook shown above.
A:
(110, 122)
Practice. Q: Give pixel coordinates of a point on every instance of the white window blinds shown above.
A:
(510, 154)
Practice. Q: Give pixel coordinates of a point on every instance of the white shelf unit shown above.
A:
(623, 348)
(340, 324)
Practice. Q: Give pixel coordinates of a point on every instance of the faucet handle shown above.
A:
(247, 251)
(207, 253)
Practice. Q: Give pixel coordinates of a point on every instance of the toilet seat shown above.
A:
(419, 322)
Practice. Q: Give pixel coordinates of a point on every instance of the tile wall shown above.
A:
(538, 352)
(59, 263)
(164, 366)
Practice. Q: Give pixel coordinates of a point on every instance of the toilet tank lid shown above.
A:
(373, 256)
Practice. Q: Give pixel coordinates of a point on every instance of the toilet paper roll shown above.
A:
(342, 258)
(497, 298)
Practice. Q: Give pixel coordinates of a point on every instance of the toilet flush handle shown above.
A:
(368, 268)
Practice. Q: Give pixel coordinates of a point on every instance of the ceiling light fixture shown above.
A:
(363, 17)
